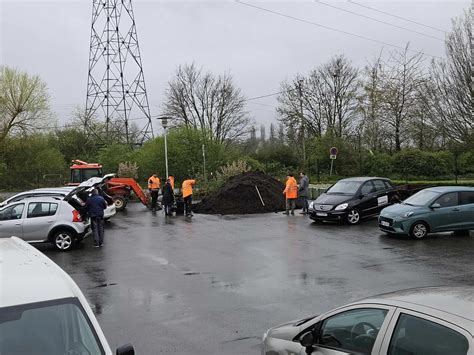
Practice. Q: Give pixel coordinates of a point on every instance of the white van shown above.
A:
(42, 310)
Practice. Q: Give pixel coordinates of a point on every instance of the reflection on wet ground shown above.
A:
(213, 285)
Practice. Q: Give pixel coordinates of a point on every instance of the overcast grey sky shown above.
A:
(259, 49)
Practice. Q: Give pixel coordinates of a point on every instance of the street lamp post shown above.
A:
(164, 123)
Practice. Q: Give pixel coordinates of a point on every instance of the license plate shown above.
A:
(321, 214)
(385, 223)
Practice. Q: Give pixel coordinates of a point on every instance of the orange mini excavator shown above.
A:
(120, 189)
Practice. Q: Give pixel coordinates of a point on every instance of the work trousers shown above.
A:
(97, 224)
(167, 207)
(304, 199)
(188, 205)
(290, 204)
(154, 198)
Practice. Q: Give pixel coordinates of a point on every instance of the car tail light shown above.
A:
(76, 216)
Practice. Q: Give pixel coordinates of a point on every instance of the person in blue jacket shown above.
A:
(95, 206)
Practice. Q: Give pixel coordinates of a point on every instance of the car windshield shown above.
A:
(56, 327)
(421, 198)
(346, 187)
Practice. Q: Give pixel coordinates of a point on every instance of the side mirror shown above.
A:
(435, 206)
(125, 350)
(307, 339)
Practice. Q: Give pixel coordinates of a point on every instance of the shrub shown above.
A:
(416, 163)
(466, 163)
(379, 164)
(128, 169)
(111, 156)
(230, 170)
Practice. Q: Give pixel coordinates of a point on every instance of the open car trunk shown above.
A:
(78, 197)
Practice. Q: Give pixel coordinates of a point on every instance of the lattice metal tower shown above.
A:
(116, 85)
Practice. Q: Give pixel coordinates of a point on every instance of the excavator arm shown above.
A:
(132, 184)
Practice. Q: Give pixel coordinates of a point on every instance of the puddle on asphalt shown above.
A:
(223, 285)
(190, 273)
(105, 285)
(157, 259)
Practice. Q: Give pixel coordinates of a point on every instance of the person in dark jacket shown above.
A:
(168, 197)
(95, 206)
(303, 191)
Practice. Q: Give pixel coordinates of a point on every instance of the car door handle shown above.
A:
(456, 209)
(17, 224)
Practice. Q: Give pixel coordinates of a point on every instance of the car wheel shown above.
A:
(419, 230)
(63, 240)
(120, 203)
(353, 216)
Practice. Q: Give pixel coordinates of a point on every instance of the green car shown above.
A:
(436, 209)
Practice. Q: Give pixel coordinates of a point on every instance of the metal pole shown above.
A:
(204, 161)
(330, 172)
(166, 154)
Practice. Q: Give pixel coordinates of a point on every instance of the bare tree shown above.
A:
(424, 133)
(281, 133)
(338, 91)
(295, 119)
(371, 106)
(115, 133)
(324, 101)
(451, 86)
(273, 137)
(263, 134)
(24, 102)
(207, 102)
(402, 82)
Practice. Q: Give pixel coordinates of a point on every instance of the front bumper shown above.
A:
(327, 215)
(394, 225)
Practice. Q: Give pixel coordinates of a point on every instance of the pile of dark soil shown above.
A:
(239, 196)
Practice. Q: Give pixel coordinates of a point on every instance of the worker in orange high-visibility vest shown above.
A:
(187, 188)
(291, 194)
(154, 185)
(171, 179)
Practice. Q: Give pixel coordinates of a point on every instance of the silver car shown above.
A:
(43, 192)
(431, 321)
(44, 219)
(109, 212)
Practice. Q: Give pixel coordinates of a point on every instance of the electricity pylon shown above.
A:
(116, 88)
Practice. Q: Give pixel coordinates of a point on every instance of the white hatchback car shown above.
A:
(109, 212)
(44, 219)
(42, 310)
(423, 321)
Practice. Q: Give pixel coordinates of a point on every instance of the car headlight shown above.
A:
(342, 206)
(311, 205)
(265, 336)
(408, 214)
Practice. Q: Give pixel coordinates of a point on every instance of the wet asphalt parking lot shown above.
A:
(213, 285)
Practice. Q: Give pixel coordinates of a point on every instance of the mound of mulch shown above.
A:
(239, 196)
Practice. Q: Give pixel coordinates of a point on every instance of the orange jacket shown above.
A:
(291, 189)
(188, 187)
(154, 183)
(171, 179)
